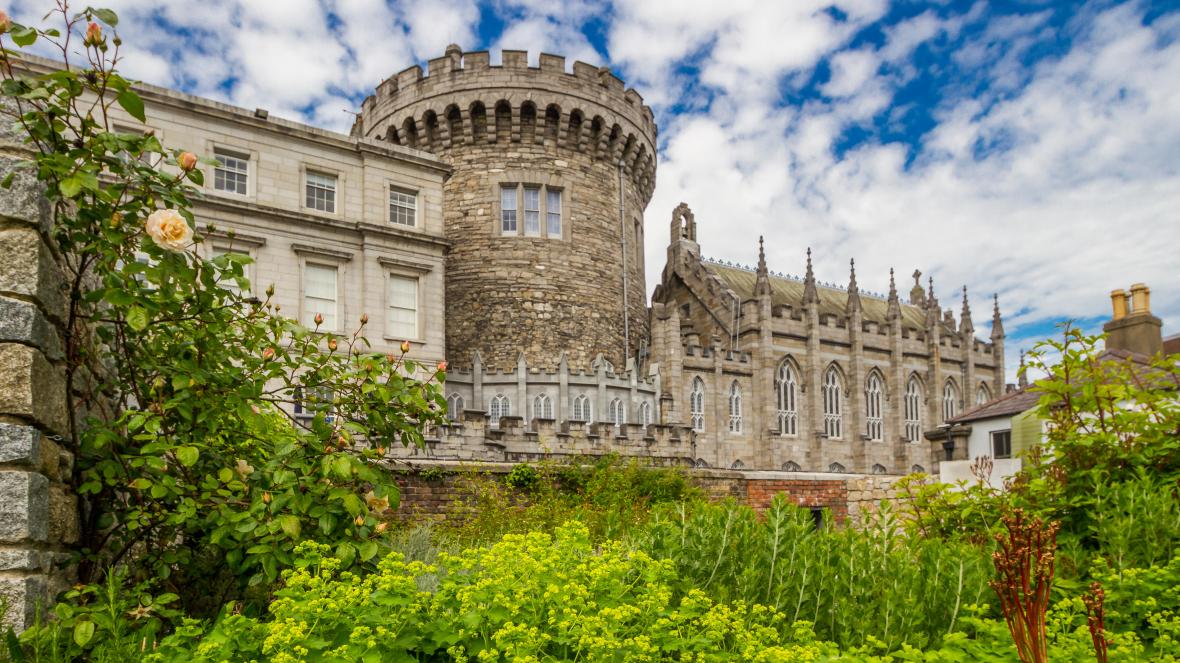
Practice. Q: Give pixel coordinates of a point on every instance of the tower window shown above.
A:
(553, 212)
(535, 203)
(532, 211)
(508, 210)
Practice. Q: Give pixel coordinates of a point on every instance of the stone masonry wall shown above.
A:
(38, 511)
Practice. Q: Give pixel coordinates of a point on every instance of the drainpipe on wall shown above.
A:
(626, 298)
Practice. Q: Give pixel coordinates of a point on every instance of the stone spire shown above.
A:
(894, 311)
(1021, 378)
(933, 310)
(966, 327)
(762, 285)
(810, 294)
(917, 294)
(997, 322)
(853, 290)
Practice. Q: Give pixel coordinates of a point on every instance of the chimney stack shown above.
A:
(1133, 328)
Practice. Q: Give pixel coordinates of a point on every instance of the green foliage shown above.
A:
(856, 587)
(522, 477)
(196, 479)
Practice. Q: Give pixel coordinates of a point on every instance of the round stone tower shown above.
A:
(544, 209)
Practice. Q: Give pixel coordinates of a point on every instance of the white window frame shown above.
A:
(735, 407)
(307, 316)
(645, 416)
(243, 156)
(950, 401)
(913, 410)
(786, 391)
(874, 420)
(526, 221)
(390, 332)
(411, 210)
(330, 188)
(616, 412)
(499, 406)
(550, 215)
(696, 404)
(532, 215)
(992, 442)
(581, 410)
(542, 407)
(454, 406)
(505, 220)
(833, 393)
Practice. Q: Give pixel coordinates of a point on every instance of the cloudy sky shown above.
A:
(1026, 148)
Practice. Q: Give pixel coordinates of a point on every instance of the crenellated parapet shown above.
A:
(463, 100)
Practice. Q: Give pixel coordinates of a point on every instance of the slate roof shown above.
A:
(1007, 405)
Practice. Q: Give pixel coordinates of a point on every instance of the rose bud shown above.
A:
(331, 345)
(381, 527)
(364, 318)
(390, 357)
(442, 366)
(268, 354)
(266, 497)
(319, 319)
(360, 520)
(405, 347)
(187, 161)
(270, 290)
(93, 35)
(5, 23)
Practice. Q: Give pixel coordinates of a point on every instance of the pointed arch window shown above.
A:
(917, 469)
(950, 401)
(982, 395)
(791, 466)
(696, 404)
(645, 417)
(454, 407)
(836, 467)
(879, 469)
(581, 409)
(542, 407)
(874, 422)
(913, 410)
(735, 407)
(500, 406)
(786, 390)
(617, 412)
(833, 407)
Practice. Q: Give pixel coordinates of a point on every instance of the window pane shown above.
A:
(403, 207)
(553, 213)
(321, 191)
(532, 211)
(403, 307)
(319, 295)
(508, 209)
(230, 173)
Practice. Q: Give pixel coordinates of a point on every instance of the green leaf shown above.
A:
(106, 16)
(70, 186)
(290, 525)
(187, 455)
(83, 632)
(345, 552)
(24, 36)
(137, 318)
(367, 550)
(132, 104)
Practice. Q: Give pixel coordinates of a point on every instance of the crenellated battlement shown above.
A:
(461, 99)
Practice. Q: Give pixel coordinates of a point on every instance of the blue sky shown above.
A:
(1030, 149)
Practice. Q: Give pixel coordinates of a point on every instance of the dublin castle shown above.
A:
(493, 216)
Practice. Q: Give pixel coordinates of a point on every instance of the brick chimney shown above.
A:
(1133, 327)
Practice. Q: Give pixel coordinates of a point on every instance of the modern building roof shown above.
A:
(1007, 405)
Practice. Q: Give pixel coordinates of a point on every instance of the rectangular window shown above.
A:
(403, 207)
(1002, 444)
(321, 192)
(553, 213)
(231, 173)
(403, 307)
(532, 211)
(319, 295)
(508, 210)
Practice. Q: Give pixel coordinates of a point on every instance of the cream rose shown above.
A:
(169, 230)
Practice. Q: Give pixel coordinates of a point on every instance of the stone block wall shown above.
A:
(38, 510)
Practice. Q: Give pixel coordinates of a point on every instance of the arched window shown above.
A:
(542, 407)
(737, 465)
(735, 407)
(791, 466)
(917, 469)
(696, 404)
(786, 388)
(950, 401)
(835, 467)
(701, 463)
(499, 407)
(982, 395)
(645, 413)
(874, 422)
(913, 410)
(454, 407)
(617, 412)
(879, 469)
(833, 420)
(581, 409)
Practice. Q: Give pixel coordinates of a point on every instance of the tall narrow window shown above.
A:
(499, 407)
(982, 395)
(454, 407)
(532, 211)
(696, 404)
(581, 409)
(403, 307)
(231, 173)
(950, 401)
(786, 389)
(508, 210)
(735, 407)
(913, 410)
(403, 207)
(617, 412)
(645, 413)
(874, 421)
(553, 213)
(319, 295)
(542, 407)
(833, 419)
(321, 191)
